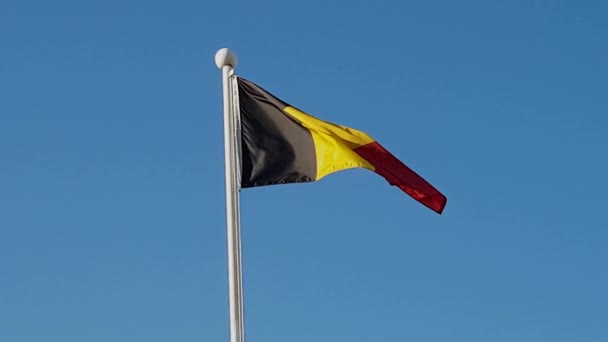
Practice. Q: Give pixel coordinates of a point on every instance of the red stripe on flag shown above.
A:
(401, 176)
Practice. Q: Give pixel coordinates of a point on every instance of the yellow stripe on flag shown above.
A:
(334, 144)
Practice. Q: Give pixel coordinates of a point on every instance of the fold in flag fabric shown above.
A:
(281, 144)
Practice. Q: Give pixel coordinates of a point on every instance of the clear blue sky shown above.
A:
(112, 220)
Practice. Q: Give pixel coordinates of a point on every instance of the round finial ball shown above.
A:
(225, 57)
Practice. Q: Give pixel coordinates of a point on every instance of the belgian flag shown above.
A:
(282, 144)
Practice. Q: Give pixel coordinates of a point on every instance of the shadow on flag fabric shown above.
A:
(280, 144)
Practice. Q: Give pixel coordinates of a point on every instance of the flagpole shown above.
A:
(226, 61)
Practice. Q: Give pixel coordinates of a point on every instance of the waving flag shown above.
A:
(281, 144)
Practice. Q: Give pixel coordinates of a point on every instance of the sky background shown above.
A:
(112, 222)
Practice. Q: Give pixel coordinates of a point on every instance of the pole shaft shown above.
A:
(233, 224)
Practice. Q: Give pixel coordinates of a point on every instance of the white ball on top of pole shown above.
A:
(225, 57)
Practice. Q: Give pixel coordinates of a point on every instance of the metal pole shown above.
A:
(225, 60)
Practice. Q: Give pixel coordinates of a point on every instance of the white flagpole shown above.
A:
(226, 61)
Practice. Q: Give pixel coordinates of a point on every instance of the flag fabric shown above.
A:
(281, 144)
